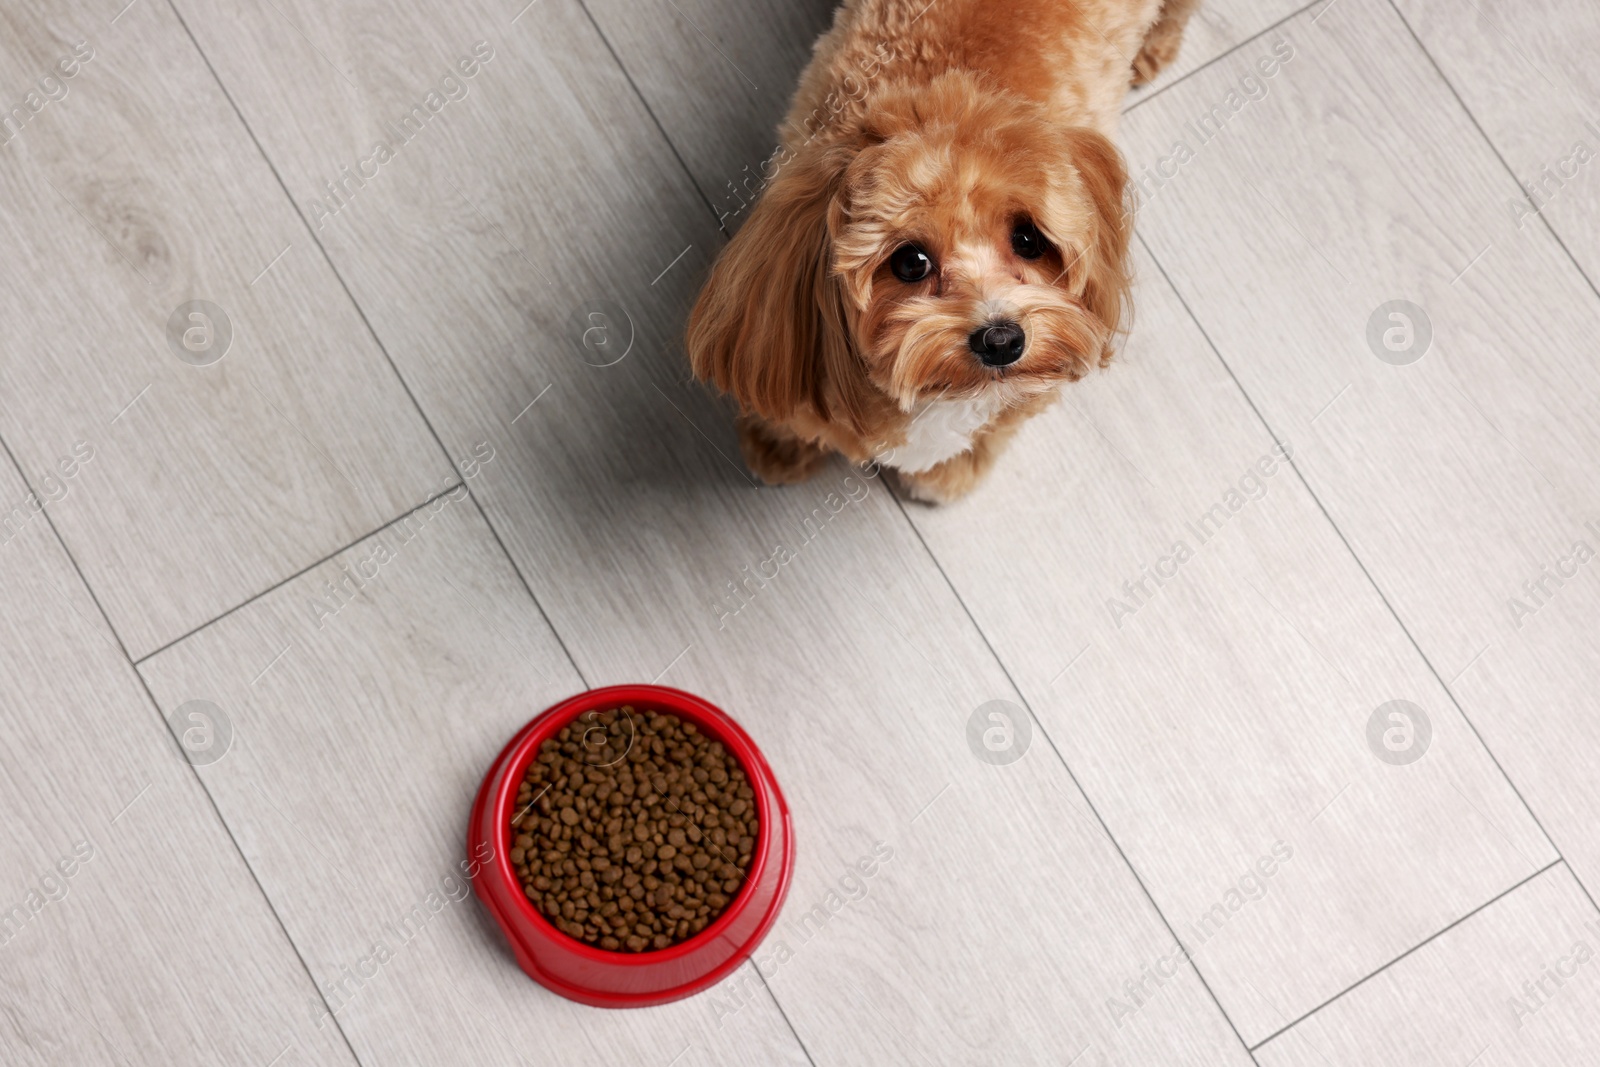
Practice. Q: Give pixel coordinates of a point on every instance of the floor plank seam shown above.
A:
(194, 771)
(1383, 950)
(310, 232)
(376, 339)
(421, 411)
(939, 566)
(572, 660)
(1300, 476)
(299, 573)
(695, 184)
(1371, 580)
(1550, 228)
(1253, 38)
(1498, 155)
(1071, 775)
(1414, 948)
(645, 103)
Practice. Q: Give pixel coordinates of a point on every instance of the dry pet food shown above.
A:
(633, 830)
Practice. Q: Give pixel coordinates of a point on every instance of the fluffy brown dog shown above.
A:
(944, 240)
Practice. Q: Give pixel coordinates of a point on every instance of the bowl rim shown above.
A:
(705, 715)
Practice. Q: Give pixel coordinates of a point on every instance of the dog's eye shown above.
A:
(1027, 241)
(910, 263)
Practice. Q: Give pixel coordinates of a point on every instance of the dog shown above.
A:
(942, 239)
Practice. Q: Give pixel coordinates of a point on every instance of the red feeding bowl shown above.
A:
(596, 976)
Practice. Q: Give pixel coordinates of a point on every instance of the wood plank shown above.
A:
(1524, 72)
(1459, 477)
(130, 929)
(617, 498)
(1208, 654)
(134, 193)
(1514, 986)
(387, 700)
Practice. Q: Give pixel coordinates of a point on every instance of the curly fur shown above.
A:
(977, 115)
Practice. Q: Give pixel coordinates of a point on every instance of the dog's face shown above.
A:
(962, 243)
(971, 247)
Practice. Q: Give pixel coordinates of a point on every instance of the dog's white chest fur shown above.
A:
(940, 429)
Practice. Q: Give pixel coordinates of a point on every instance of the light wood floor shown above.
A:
(1216, 847)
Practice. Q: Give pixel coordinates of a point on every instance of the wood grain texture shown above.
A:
(1463, 478)
(1515, 985)
(1527, 73)
(130, 929)
(359, 752)
(854, 668)
(1207, 655)
(136, 191)
(523, 207)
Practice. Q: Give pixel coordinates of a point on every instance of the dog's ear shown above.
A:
(1100, 279)
(770, 327)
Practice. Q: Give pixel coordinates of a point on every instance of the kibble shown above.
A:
(633, 830)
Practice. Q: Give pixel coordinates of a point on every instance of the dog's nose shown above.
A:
(998, 344)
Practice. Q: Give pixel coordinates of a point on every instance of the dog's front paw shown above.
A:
(1162, 43)
(923, 492)
(777, 457)
(1153, 58)
(945, 483)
